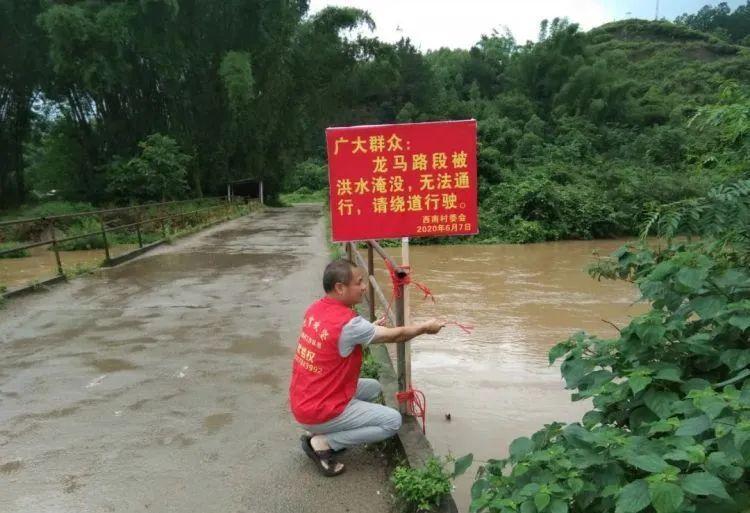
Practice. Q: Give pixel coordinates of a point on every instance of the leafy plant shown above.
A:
(370, 366)
(422, 489)
(724, 130)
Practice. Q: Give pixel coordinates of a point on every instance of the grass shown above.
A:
(83, 225)
(88, 228)
(304, 195)
(150, 232)
(46, 209)
(21, 253)
(335, 250)
(235, 211)
(80, 269)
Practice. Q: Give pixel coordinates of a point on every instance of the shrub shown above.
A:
(159, 173)
(13, 254)
(311, 174)
(422, 489)
(83, 226)
(48, 208)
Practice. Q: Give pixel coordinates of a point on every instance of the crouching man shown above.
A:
(326, 394)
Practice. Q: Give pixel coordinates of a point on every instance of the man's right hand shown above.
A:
(400, 334)
(433, 326)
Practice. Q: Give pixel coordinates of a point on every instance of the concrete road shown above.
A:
(161, 385)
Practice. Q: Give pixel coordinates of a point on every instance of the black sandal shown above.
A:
(324, 460)
(335, 451)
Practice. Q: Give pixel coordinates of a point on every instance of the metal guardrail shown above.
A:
(397, 315)
(105, 211)
(54, 242)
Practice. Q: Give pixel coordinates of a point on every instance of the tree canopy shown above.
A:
(579, 132)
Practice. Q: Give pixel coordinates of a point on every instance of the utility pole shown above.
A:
(656, 17)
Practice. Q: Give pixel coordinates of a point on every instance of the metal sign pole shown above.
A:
(400, 348)
(407, 312)
(370, 288)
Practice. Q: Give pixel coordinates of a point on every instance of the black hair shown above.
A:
(338, 271)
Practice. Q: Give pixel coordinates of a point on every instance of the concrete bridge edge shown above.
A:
(410, 439)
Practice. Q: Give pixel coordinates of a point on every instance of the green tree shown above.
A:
(159, 173)
(721, 21)
(22, 72)
(727, 127)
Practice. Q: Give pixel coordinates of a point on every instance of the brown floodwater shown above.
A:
(496, 383)
(41, 265)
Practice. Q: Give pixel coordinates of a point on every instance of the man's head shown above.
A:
(345, 282)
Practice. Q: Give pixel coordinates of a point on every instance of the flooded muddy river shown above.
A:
(41, 265)
(496, 383)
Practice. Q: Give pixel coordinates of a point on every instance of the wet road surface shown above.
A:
(161, 385)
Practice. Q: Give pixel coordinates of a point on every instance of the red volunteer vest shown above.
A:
(323, 382)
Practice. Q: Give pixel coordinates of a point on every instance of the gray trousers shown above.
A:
(361, 422)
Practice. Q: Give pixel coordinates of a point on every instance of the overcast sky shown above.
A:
(432, 24)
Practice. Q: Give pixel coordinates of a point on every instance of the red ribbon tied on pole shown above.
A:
(416, 405)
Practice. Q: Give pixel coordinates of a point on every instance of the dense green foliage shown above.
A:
(239, 86)
(5, 246)
(721, 22)
(670, 426)
(158, 174)
(48, 208)
(579, 132)
(311, 174)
